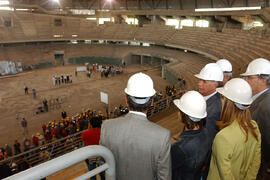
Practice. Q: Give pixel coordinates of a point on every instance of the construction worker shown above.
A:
(258, 77)
(236, 150)
(190, 153)
(141, 148)
(226, 68)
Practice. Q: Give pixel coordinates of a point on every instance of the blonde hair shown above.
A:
(230, 113)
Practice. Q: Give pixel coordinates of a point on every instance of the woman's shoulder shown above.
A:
(254, 123)
(229, 132)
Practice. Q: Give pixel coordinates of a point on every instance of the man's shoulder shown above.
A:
(214, 103)
(109, 122)
(266, 97)
(158, 128)
(214, 99)
(263, 101)
(142, 124)
(85, 132)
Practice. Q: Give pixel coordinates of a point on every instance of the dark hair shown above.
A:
(95, 122)
(138, 107)
(189, 124)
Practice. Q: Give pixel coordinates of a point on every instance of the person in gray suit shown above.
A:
(258, 77)
(141, 148)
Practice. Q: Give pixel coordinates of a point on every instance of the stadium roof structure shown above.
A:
(106, 8)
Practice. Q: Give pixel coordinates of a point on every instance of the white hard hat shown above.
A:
(192, 104)
(257, 67)
(237, 90)
(140, 85)
(211, 72)
(225, 65)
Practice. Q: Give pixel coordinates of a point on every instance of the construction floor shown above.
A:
(83, 93)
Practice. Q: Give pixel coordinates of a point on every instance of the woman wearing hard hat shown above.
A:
(189, 154)
(236, 151)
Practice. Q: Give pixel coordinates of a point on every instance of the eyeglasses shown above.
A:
(250, 77)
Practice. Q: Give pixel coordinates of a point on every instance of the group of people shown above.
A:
(106, 70)
(56, 130)
(34, 92)
(170, 91)
(225, 135)
(62, 79)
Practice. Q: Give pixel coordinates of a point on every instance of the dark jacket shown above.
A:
(213, 108)
(260, 110)
(189, 154)
(5, 171)
(213, 114)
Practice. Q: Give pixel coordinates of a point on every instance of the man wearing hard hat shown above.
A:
(226, 68)
(258, 77)
(141, 148)
(209, 79)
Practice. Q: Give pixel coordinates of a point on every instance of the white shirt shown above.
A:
(138, 113)
(207, 97)
(258, 94)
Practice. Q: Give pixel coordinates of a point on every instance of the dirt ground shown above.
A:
(83, 93)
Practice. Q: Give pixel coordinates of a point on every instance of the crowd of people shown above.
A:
(54, 130)
(225, 135)
(105, 70)
(66, 126)
(61, 79)
(109, 70)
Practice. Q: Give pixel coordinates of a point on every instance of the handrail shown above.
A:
(69, 159)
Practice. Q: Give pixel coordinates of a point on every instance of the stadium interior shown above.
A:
(170, 40)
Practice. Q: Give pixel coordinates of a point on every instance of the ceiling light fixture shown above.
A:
(228, 9)
(22, 9)
(4, 2)
(58, 35)
(91, 19)
(6, 8)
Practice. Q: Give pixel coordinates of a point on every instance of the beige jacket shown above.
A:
(233, 158)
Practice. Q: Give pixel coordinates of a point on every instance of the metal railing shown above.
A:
(67, 144)
(69, 159)
(163, 104)
(48, 151)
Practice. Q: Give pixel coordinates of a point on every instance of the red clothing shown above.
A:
(35, 140)
(64, 133)
(54, 132)
(44, 128)
(91, 136)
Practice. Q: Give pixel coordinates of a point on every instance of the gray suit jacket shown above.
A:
(260, 110)
(140, 147)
